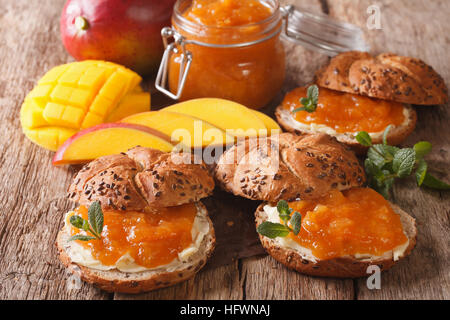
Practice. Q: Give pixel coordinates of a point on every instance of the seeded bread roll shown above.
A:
(140, 178)
(135, 282)
(386, 76)
(288, 167)
(342, 267)
(396, 135)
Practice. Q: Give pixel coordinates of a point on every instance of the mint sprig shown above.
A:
(94, 224)
(292, 222)
(310, 102)
(386, 163)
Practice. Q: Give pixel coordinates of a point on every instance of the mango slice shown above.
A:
(108, 138)
(234, 118)
(190, 131)
(270, 123)
(130, 104)
(80, 95)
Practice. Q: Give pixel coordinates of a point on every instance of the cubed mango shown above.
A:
(74, 96)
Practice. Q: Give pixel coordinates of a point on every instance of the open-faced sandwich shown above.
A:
(358, 92)
(140, 225)
(317, 216)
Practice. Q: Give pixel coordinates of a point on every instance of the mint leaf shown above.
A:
(77, 221)
(422, 148)
(313, 94)
(283, 210)
(95, 216)
(385, 134)
(376, 154)
(272, 230)
(364, 139)
(296, 222)
(81, 238)
(421, 171)
(403, 162)
(381, 154)
(304, 101)
(435, 183)
(372, 169)
(310, 102)
(299, 109)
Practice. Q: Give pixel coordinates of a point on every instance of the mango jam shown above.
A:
(346, 112)
(357, 220)
(227, 13)
(248, 68)
(152, 239)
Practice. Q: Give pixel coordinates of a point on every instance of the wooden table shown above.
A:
(32, 192)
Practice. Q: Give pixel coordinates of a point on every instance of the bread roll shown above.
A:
(386, 76)
(288, 167)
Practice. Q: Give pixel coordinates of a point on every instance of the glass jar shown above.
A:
(244, 63)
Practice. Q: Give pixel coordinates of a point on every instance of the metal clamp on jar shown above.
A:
(243, 63)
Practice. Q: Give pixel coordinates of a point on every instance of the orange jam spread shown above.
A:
(227, 13)
(152, 239)
(357, 220)
(346, 112)
(248, 67)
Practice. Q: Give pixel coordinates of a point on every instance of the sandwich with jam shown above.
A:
(317, 216)
(140, 224)
(359, 92)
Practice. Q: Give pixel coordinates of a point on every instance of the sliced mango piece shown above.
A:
(53, 112)
(109, 138)
(31, 115)
(232, 117)
(61, 94)
(91, 120)
(49, 137)
(270, 123)
(78, 95)
(53, 75)
(191, 131)
(130, 104)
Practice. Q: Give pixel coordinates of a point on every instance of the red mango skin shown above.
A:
(127, 32)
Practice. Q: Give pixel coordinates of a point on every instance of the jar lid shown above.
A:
(319, 32)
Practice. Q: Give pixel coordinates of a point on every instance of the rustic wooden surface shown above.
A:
(32, 191)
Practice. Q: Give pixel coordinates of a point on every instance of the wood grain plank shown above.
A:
(32, 192)
(415, 28)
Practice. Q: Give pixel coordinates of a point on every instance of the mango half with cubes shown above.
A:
(79, 95)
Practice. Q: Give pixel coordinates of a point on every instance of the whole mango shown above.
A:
(124, 31)
(80, 95)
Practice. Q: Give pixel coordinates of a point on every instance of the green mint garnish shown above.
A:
(292, 223)
(310, 102)
(386, 163)
(94, 224)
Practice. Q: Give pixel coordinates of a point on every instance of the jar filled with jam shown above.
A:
(232, 49)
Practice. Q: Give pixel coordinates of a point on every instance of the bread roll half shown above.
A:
(115, 280)
(396, 135)
(301, 259)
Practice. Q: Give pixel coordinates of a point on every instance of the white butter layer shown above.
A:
(322, 128)
(126, 263)
(272, 216)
